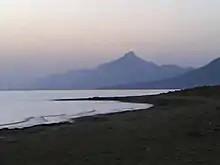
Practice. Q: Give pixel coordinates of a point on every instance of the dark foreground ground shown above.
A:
(182, 128)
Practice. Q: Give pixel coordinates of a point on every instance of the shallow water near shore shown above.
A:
(21, 109)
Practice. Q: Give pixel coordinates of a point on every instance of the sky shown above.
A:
(41, 37)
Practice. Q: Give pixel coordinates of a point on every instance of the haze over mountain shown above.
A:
(207, 75)
(40, 38)
(127, 69)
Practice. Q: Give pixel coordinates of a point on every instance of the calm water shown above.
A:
(28, 108)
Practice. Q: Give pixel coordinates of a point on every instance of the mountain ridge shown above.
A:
(207, 75)
(127, 69)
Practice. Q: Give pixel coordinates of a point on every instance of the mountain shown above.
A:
(207, 75)
(128, 69)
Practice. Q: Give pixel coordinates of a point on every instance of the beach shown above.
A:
(182, 128)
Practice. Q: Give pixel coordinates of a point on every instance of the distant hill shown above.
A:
(125, 70)
(207, 75)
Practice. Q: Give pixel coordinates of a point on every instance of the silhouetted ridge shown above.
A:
(214, 63)
(130, 54)
(207, 75)
(127, 69)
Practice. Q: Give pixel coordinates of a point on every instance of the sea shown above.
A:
(20, 109)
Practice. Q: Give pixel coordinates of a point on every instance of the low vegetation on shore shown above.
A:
(182, 128)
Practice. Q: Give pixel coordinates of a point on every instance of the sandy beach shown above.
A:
(182, 128)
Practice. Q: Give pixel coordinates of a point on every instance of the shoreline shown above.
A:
(69, 118)
(182, 128)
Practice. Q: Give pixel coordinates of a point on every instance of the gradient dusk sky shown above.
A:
(46, 36)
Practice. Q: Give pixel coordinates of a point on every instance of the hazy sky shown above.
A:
(50, 35)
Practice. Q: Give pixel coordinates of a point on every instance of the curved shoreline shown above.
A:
(34, 121)
(182, 128)
(44, 119)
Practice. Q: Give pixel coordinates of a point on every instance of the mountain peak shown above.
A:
(130, 54)
(130, 59)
